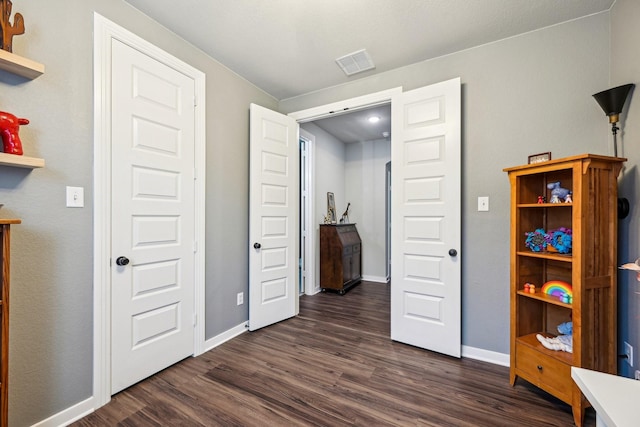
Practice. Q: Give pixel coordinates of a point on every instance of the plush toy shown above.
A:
(558, 194)
(563, 342)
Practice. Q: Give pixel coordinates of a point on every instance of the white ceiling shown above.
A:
(289, 47)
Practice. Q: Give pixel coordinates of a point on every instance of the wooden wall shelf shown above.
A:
(21, 66)
(20, 161)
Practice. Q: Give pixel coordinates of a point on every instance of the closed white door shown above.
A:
(273, 219)
(425, 242)
(152, 290)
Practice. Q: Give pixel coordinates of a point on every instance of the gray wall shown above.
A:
(625, 68)
(51, 297)
(524, 95)
(365, 188)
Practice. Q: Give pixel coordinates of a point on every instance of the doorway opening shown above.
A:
(315, 190)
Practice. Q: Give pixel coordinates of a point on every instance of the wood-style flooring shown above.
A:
(333, 365)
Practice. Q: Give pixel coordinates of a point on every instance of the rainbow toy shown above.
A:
(557, 288)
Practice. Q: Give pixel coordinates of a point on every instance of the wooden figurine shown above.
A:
(9, 30)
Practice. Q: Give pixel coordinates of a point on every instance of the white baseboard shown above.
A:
(379, 279)
(69, 415)
(225, 336)
(486, 356)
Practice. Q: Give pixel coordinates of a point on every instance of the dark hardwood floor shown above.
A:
(333, 365)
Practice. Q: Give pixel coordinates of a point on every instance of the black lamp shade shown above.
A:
(612, 100)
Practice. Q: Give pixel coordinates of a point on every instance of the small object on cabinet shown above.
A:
(9, 128)
(331, 208)
(558, 289)
(345, 215)
(558, 194)
(539, 158)
(9, 30)
(536, 240)
(541, 200)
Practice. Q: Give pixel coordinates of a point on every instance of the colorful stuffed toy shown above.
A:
(563, 342)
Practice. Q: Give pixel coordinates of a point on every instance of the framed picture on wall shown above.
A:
(331, 208)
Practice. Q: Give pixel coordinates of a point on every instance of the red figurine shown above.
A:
(9, 127)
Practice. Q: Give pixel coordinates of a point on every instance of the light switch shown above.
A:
(75, 197)
(483, 204)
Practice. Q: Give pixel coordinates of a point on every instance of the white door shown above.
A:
(425, 242)
(152, 296)
(273, 222)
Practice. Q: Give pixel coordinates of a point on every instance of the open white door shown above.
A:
(273, 222)
(425, 242)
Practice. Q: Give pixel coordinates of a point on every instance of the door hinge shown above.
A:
(195, 173)
(195, 246)
(195, 319)
(195, 101)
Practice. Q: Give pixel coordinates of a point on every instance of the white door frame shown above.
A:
(311, 286)
(104, 31)
(316, 113)
(341, 107)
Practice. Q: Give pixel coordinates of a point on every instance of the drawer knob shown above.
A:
(539, 367)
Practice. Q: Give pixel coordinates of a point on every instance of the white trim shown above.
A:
(311, 286)
(225, 336)
(496, 358)
(378, 279)
(345, 106)
(69, 415)
(104, 31)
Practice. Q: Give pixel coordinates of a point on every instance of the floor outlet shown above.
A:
(628, 351)
(240, 298)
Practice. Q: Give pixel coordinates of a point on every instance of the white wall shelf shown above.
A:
(20, 161)
(21, 66)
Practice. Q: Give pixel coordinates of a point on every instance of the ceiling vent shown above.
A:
(355, 62)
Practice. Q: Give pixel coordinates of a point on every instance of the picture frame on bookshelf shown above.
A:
(539, 158)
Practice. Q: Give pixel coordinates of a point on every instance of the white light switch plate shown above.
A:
(75, 197)
(483, 204)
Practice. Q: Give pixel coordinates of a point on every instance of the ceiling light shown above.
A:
(374, 119)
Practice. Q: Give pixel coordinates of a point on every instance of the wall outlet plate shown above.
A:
(483, 204)
(240, 298)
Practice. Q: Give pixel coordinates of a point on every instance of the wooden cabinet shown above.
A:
(5, 225)
(590, 268)
(340, 257)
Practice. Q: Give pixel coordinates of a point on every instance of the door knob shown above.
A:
(453, 252)
(257, 245)
(122, 260)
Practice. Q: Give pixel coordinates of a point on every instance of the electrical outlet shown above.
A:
(240, 298)
(483, 204)
(628, 351)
